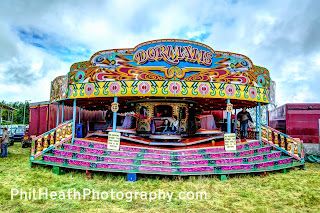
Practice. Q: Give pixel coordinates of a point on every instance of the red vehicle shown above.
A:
(297, 120)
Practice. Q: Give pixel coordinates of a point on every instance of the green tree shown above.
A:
(18, 114)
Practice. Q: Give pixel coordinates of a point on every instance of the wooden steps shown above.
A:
(87, 155)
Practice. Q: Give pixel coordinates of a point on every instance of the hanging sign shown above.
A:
(229, 108)
(114, 107)
(114, 140)
(230, 141)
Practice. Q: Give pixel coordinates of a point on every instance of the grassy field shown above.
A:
(296, 191)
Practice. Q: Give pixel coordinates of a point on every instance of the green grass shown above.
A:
(296, 191)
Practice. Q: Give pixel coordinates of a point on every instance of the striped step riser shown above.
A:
(159, 151)
(85, 150)
(142, 169)
(80, 156)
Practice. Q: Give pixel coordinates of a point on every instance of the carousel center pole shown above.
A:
(58, 112)
(62, 109)
(114, 120)
(74, 119)
(228, 119)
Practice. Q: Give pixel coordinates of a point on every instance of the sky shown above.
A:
(41, 39)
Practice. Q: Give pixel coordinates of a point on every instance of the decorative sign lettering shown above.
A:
(173, 55)
(114, 140)
(230, 142)
(115, 107)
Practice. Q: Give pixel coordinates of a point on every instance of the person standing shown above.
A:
(109, 117)
(244, 117)
(4, 143)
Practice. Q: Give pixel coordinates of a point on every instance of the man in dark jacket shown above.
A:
(109, 117)
(244, 117)
(4, 142)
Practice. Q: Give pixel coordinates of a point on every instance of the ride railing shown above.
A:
(51, 139)
(285, 143)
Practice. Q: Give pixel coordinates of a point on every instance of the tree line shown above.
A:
(17, 114)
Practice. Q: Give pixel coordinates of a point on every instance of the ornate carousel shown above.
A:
(163, 94)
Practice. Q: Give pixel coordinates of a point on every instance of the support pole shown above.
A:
(228, 119)
(102, 114)
(235, 121)
(256, 118)
(259, 122)
(79, 114)
(58, 112)
(74, 118)
(267, 115)
(267, 120)
(24, 112)
(11, 119)
(114, 121)
(62, 109)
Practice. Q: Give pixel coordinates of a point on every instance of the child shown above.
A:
(166, 123)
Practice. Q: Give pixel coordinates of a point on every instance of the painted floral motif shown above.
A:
(123, 154)
(215, 150)
(188, 152)
(230, 90)
(70, 90)
(174, 88)
(268, 95)
(118, 160)
(155, 169)
(266, 164)
(198, 169)
(79, 76)
(204, 89)
(261, 81)
(70, 147)
(152, 156)
(114, 88)
(89, 89)
(155, 151)
(62, 153)
(129, 149)
(253, 92)
(95, 151)
(190, 157)
(144, 87)
(100, 146)
(81, 143)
